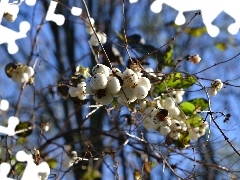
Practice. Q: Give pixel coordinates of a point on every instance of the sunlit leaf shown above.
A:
(221, 46)
(200, 103)
(197, 32)
(154, 164)
(83, 71)
(183, 141)
(175, 80)
(187, 107)
(52, 163)
(22, 140)
(19, 167)
(195, 121)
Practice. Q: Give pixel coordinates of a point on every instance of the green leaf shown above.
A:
(82, 71)
(183, 141)
(197, 32)
(154, 164)
(22, 140)
(165, 58)
(176, 81)
(221, 46)
(188, 108)
(52, 163)
(25, 128)
(19, 167)
(195, 121)
(120, 36)
(200, 104)
(91, 174)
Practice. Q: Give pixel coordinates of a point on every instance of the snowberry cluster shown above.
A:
(79, 91)
(164, 116)
(194, 59)
(196, 132)
(216, 86)
(105, 84)
(134, 86)
(169, 103)
(19, 72)
(102, 37)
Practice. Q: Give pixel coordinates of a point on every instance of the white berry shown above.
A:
(144, 82)
(98, 81)
(168, 103)
(29, 70)
(104, 100)
(89, 89)
(100, 68)
(129, 77)
(140, 92)
(174, 112)
(113, 85)
(164, 130)
(127, 95)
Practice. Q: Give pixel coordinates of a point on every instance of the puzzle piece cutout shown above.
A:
(10, 129)
(9, 36)
(4, 170)
(58, 18)
(33, 171)
(210, 10)
(133, 1)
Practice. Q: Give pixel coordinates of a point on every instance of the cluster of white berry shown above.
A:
(169, 103)
(105, 84)
(196, 132)
(102, 37)
(216, 86)
(19, 72)
(164, 116)
(79, 91)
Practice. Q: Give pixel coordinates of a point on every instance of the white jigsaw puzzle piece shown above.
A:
(10, 130)
(9, 36)
(59, 19)
(210, 10)
(30, 2)
(4, 170)
(32, 171)
(51, 16)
